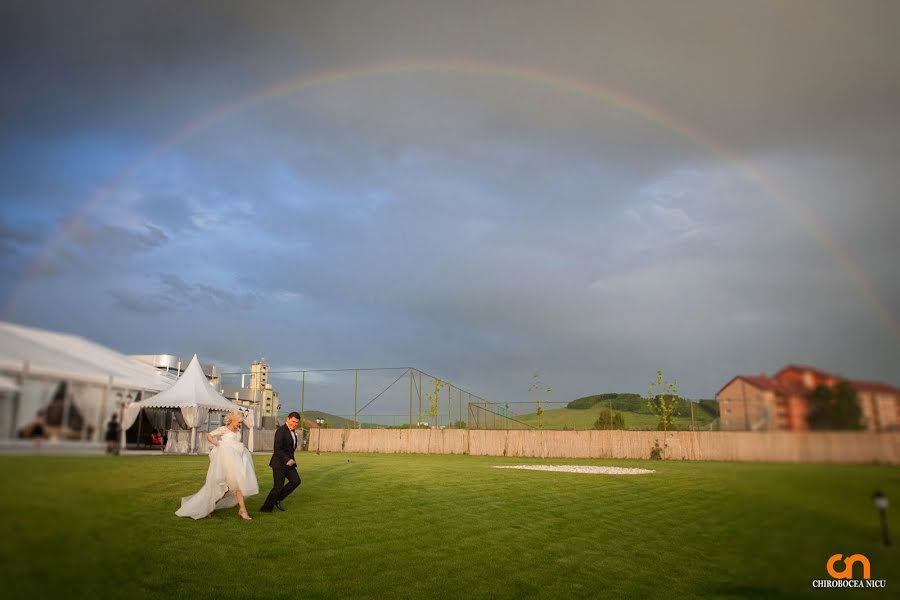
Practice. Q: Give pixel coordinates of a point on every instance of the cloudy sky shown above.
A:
(594, 190)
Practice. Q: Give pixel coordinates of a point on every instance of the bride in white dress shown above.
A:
(231, 476)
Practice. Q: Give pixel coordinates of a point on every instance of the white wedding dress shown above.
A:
(230, 469)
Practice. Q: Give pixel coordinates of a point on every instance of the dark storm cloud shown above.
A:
(173, 293)
(748, 73)
(95, 248)
(71, 66)
(14, 236)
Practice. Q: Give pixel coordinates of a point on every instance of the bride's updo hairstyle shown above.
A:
(233, 416)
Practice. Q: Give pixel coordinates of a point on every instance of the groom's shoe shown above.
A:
(265, 509)
(280, 507)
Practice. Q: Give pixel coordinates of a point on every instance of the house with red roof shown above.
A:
(779, 402)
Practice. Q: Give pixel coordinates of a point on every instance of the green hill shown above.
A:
(334, 421)
(584, 418)
(635, 403)
(620, 402)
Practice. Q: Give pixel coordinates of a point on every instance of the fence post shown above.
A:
(692, 416)
(410, 396)
(355, 396)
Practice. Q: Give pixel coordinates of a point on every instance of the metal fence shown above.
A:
(399, 397)
(490, 415)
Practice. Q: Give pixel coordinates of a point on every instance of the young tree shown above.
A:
(662, 400)
(539, 389)
(434, 398)
(834, 408)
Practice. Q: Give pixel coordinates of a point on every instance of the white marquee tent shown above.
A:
(195, 397)
(99, 379)
(8, 385)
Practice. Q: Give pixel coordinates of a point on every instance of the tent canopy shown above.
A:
(194, 396)
(191, 389)
(7, 384)
(68, 357)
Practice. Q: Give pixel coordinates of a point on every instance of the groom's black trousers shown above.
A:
(280, 491)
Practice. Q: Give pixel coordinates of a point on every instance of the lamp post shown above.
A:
(319, 421)
(881, 504)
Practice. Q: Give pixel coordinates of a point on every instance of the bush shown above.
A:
(607, 420)
(656, 452)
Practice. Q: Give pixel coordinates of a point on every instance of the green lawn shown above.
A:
(389, 526)
(578, 418)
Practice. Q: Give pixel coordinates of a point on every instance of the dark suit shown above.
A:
(282, 452)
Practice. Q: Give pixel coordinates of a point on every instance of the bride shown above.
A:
(231, 476)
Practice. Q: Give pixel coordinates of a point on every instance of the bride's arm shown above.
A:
(212, 436)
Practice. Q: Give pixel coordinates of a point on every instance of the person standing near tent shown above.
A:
(230, 477)
(112, 436)
(283, 464)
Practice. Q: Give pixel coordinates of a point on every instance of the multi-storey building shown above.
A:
(780, 402)
(257, 393)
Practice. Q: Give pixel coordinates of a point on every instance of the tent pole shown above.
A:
(67, 406)
(122, 426)
(101, 422)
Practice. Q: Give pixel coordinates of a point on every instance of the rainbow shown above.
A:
(802, 216)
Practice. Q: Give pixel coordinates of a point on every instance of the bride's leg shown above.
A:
(242, 511)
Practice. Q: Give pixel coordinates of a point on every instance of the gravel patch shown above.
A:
(581, 469)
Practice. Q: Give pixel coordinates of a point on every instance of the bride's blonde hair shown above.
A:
(234, 415)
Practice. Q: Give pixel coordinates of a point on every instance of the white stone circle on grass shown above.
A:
(581, 469)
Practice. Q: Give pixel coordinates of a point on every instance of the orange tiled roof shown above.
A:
(764, 382)
(873, 386)
(761, 381)
(813, 370)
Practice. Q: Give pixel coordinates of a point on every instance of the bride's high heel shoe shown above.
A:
(243, 514)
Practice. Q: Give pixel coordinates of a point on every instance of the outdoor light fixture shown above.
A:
(881, 504)
(319, 421)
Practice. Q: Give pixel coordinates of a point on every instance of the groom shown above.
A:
(283, 464)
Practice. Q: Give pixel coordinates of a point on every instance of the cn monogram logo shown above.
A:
(847, 573)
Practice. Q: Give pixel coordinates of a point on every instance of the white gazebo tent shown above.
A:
(195, 397)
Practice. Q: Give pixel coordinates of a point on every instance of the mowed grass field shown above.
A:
(414, 526)
(584, 418)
